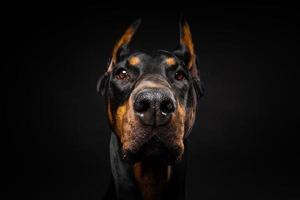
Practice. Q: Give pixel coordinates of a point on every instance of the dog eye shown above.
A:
(179, 76)
(122, 74)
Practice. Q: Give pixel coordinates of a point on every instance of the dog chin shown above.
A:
(154, 149)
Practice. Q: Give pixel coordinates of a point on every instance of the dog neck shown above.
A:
(151, 177)
(146, 180)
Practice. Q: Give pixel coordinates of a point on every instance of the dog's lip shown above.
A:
(165, 157)
(153, 148)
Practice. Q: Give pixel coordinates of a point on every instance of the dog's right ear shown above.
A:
(121, 47)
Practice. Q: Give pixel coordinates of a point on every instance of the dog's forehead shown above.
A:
(154, 62)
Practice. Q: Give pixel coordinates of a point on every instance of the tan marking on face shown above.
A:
(178, 120)
(181, 113)
(134, 60)
(170, 61)
(121, 111)
(126, 124)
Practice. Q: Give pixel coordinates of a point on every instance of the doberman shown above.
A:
(151, 102)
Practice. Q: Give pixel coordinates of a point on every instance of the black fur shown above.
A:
(152, 66)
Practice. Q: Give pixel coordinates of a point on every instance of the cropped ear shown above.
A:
(185, 51)
(121, 47)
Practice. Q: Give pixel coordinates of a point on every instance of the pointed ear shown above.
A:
(185, 50)
(121, 47)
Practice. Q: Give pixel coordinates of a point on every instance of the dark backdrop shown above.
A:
(243, 145)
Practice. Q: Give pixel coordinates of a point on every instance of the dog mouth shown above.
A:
(155, 148)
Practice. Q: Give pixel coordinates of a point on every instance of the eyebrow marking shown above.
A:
(134, 60)
(170, 61)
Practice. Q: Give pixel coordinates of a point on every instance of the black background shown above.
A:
(244, 142)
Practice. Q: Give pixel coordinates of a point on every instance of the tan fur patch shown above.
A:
(170, 61)
(178, 121)
(121, 111)
(151, 180)
(186, 40)
(134, 60)
(125, 124)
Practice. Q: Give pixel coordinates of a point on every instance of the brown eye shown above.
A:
(179, 76)
(122, 74)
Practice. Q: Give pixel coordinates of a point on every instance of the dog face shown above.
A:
(151, 99)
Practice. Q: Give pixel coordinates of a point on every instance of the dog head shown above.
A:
(151, 98)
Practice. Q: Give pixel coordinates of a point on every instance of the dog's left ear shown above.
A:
(121, 47)
(186, 52)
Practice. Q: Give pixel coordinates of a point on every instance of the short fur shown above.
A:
(149, 162)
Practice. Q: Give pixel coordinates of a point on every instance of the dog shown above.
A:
(151, 102)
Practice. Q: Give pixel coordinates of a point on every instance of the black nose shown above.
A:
(154, 106)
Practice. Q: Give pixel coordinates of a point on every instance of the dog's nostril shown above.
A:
(167, 106)
(154, 107)
(141, 106)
